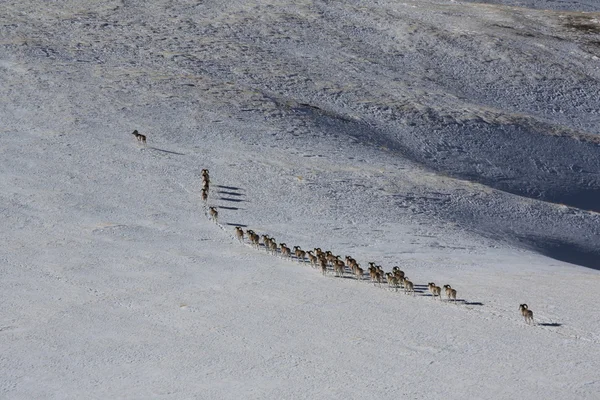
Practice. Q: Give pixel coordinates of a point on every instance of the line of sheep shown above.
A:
(326, 261)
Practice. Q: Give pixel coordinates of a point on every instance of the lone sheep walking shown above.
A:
(141, 138)
(527, 313)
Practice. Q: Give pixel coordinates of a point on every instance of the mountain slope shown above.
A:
(440, 137)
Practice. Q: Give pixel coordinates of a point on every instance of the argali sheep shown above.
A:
(374, 270)
(434, 290)
(323, 264)
(204, 194)
(358, 271)
(273, 246)
(373, 273)
(351, 262)
(253, 237)
(319, 253)
(266, 239)
(392, 280)
(141, 138)
(331, 259)
(338, 267)
(285, 251)
(214, 214)
(408, 286)
(527, 313)
(378, 276)
(268, 243)
(239, 233)
(312, 258)
(354, 265)
(256, 240)
(450, 293)
(398, 273)
(299, 253)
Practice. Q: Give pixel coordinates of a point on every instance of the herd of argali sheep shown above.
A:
(326, 261)
(329, 263)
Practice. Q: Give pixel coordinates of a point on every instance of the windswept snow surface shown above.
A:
(555, 5)
(459, 141)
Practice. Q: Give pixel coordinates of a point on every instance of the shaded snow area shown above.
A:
(458, 141)
(555, 5)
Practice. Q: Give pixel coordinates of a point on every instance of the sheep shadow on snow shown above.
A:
(231, 199)
(554, 324)
(469, 303)
(228, 187)
(166, 151)
(232, 224)
(229, 208)
(229, 193)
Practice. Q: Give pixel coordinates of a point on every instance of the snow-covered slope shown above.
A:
(456, 140)
(555, 5)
